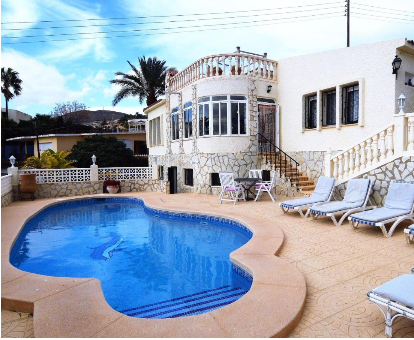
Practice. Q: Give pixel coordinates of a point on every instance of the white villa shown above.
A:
(333, 113)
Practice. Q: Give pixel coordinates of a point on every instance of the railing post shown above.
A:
(328, 163)
(335, 168)
(346, 164)
(357, 159)
(382, 145)
(375, 149)
(340, 167)
(94, 173)
(390, 142)
(400, 132)
(410, 146)
(369, 152)
(14, 171)
(351, 161)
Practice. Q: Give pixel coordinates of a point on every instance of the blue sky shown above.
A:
(54, 72)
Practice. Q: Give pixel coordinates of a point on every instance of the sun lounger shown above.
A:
(409, 233)
(322, 194)
(355, 200)
(394, 298)
(398, 207)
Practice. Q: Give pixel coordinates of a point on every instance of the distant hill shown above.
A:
(100, 115)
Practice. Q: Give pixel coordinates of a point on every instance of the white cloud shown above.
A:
(42, 84)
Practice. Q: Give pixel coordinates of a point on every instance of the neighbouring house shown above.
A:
(15, 115)
(331, 113)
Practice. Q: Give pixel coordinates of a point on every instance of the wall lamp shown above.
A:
(269, 88)
(396, 64)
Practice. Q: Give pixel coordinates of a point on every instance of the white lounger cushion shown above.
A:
(400, 196)
(411, 226)
(321, 194)
(400, 289)
(378, 215)
(355, 196)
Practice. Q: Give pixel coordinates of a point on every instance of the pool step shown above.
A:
(187, 305)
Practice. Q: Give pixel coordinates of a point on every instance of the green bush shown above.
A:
(109, 152)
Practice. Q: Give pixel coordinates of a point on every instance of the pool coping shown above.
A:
(73, 307)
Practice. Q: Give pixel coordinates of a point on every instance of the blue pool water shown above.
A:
(151, 264)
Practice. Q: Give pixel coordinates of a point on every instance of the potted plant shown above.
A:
(220, 71)
(112, 186)
(233, 69)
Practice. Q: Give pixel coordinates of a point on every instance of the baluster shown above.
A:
(390, 144)
(269, 64)
(357, 159)
(237, 64)
(223, 59)
(211, 66)
(230, 64)
(217, 66)
(410, 145)
(351, 161)
(375, 149)
(346, 164)
(369, 152)
(335, 168)
(363, 157)
(254, 66)
(382, 145)
(340, 167)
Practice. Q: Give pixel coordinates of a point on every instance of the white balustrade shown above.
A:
(216, 65)
(382, 146)
(410, 146)
(357, 158)
(6, 184)
(125, 173)
(375, 154)
(390, 142)
(369, 152)
(346, 164)
(59, 175)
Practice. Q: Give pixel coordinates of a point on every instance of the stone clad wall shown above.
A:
(89, 188)
(6, 199)
(311, 162)
(400, 169)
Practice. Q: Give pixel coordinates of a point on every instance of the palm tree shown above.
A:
(11, 85)
(148, 82)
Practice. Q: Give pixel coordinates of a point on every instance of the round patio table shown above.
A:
(249, 183)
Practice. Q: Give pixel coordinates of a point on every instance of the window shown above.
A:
(188, 177)
(265, 100)
(45, 146)
(215, 179)
(329, 108)
(155, 137)
(350, 104)
(175, 124)
(222, 115)
(161, 172)
(188, 121)
(310, 111)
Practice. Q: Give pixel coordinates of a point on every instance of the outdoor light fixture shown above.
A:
(396, 64)
(93, 159)
(269, 88)
(12, 160)
(401, 103)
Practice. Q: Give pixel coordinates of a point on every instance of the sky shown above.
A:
(80, 67)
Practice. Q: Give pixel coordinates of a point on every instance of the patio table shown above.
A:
(249, 183)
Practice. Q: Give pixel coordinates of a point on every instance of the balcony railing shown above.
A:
(232, 64)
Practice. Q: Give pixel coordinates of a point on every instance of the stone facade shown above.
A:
(90, 188)
(312, 163)
(6, 199)
(400, 169)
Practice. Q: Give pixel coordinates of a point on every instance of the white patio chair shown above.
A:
(229, 188)
(322, 194)
(255, 173)
(409, 233)
(394, 298)
(398, 207)
(266, 186)
(355, 200)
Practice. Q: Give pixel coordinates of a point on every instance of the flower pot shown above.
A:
(112, 189)
(28, 183)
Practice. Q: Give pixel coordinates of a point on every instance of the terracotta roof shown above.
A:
(146, 108)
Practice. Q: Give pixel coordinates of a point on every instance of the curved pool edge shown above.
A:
(77, 308)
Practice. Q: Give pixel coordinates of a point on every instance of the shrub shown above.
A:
(49, 159)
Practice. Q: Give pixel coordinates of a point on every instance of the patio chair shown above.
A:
(394, 298)
(266, 186)
(409, 233)
(255, 173)
(322, 194)
(398, 207)
(233, 191)
(355, 200)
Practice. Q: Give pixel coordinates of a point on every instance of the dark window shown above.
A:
(174, 124)
(205, 99)
(310, 112)
(216, 118)
(215, 179)
(200, 120)
(188, 121)
(218, 98)
(223, 112)
(265, 100)
(161, 172)
(350, 104)
(237, 98)
(329, 108)
(188, 177)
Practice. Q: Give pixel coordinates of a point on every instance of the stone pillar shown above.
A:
(94, 173)
(15, 175)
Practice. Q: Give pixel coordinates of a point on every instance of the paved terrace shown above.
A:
(340, 265)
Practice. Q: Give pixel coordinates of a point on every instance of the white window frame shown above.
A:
(228, 102)
(175, 112)
(185, 111)
(155, 136)
(42, 146)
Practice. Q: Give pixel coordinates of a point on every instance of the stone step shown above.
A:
(307, 182)
(307, 187)
(303, 178)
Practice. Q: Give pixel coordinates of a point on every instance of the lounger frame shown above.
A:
(408, 236)
(391, 311)
(397, 220)
(346, 212)
(306, 206)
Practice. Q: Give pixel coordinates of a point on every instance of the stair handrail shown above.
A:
(268, 155)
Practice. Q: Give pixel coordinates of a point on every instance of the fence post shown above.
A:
(14, 171)
(94, 173)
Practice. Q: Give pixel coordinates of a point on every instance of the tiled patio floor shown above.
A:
(340, 266)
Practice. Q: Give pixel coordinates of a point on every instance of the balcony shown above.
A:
(232, 65)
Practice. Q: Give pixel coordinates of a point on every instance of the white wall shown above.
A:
(302, 75)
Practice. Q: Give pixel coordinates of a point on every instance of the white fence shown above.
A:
(124, 173)
(59, 175)
(6, 184)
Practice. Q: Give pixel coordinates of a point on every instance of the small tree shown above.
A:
(109, 151)
(72, 112)
(11, 86)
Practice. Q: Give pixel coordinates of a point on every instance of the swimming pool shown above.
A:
(151, 263)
